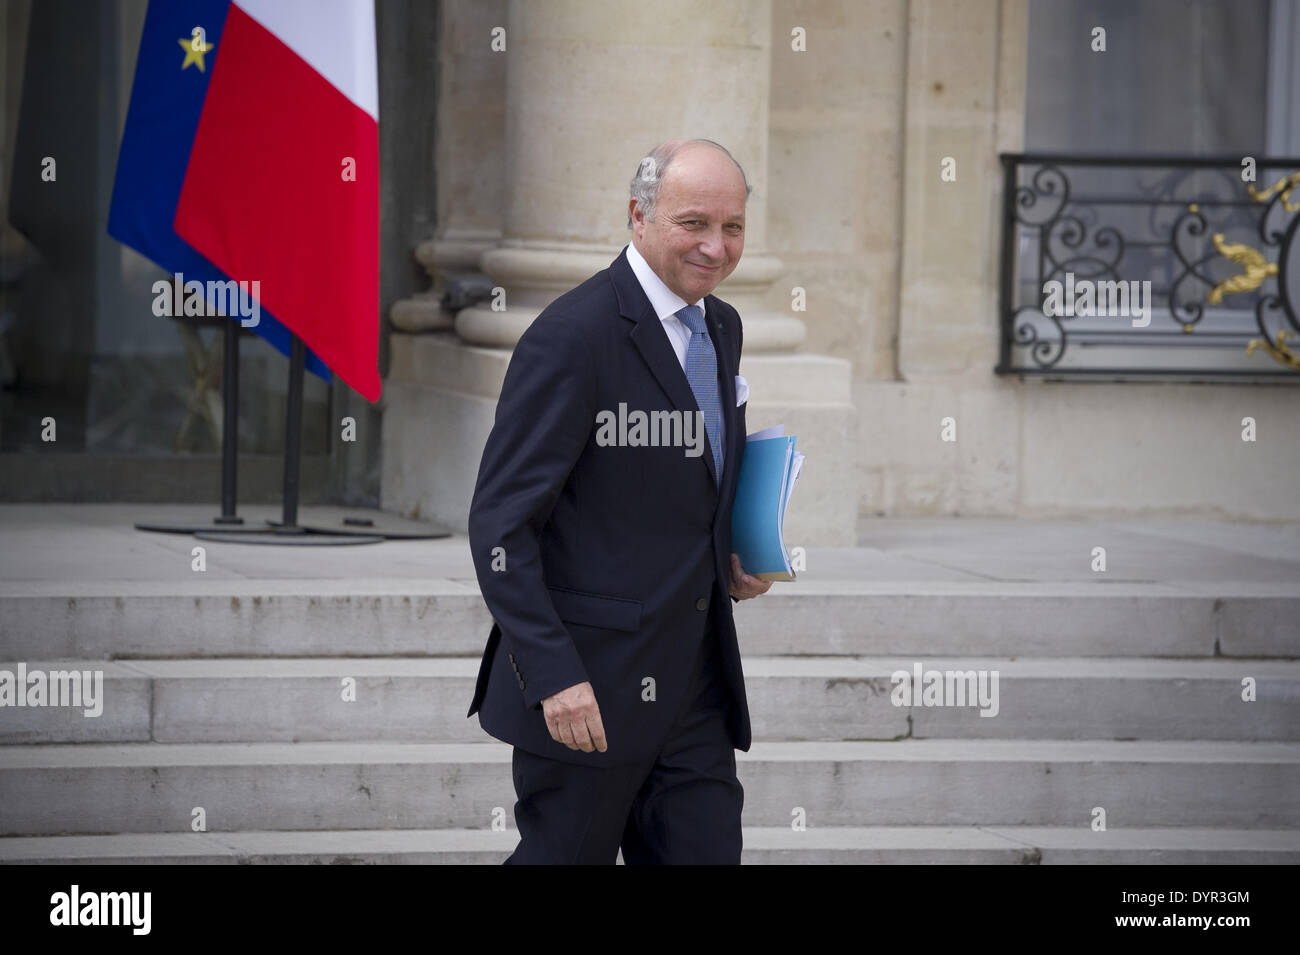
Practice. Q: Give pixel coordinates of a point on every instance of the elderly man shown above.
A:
(604, 554)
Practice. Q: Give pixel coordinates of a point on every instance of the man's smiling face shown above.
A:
(698, 233)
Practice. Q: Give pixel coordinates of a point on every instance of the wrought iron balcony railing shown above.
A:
(1141, 267)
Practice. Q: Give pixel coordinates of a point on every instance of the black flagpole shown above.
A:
(229, 424)
(293, 438)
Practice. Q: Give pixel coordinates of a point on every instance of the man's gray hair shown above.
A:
(651, 170)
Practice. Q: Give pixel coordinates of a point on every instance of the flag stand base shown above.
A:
(227, 527)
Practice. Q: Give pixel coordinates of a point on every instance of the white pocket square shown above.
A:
(742, 390)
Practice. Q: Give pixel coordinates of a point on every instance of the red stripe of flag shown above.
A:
(264, 198)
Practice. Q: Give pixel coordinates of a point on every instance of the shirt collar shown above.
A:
(665, 301)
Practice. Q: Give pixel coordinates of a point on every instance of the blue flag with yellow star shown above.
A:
(179, 49)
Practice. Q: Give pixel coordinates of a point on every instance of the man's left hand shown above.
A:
(744, 586)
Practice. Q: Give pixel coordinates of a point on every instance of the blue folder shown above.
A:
(767, 476)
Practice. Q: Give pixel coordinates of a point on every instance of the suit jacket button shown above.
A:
(702, 603)
(522, 684)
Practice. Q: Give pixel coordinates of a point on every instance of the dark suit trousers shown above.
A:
(683, 807)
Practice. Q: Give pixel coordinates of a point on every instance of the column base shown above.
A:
(440, 402)
(535, 274)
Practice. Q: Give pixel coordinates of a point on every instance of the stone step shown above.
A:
(858, 845)
(791, 698)
(99, 788)
(188, 617)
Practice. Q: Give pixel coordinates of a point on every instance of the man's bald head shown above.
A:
(687, 214)
(651, 170)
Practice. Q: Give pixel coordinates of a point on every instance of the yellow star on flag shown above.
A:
(193, 55)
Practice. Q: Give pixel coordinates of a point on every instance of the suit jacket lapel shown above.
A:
(735, 440)
(726, 373)
(726, 377)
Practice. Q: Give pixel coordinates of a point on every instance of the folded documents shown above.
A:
(768, 474)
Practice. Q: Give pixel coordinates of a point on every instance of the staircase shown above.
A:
(226, 697)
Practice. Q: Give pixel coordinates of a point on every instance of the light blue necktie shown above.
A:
(702, 373)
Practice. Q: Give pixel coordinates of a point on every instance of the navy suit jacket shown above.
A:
(600, 563)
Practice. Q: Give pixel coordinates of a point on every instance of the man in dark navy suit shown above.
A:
(601, 536)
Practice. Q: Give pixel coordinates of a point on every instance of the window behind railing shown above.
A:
(1150, 266)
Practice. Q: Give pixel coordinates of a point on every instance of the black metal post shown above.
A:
(1007, 277)
(229, 423)
(293, 433)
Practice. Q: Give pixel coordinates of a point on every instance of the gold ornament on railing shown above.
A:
(1284, 186)
(1280, 351)
(1257, 268)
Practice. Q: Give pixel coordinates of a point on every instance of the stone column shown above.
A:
(469, 157)
(965, 96)
(589, 90)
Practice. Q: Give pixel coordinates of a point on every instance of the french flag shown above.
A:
(251, 153)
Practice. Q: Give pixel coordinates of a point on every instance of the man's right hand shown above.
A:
(573, 718)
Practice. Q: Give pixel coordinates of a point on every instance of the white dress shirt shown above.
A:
(666, 304)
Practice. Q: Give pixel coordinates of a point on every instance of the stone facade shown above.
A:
(899, 269)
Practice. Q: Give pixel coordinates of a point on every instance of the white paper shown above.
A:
(776, 431)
